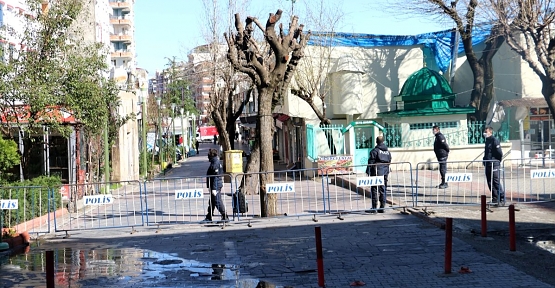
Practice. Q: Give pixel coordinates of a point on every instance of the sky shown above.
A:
(168, 28)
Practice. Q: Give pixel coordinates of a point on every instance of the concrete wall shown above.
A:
(358, 81)
(125, 152)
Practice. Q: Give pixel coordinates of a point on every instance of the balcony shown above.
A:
(120, 20)
(122, 54)
(121, 4)
(121, 38)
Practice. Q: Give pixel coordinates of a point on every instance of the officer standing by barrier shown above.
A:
(492, 158)
(441, 149)
(376, 167)
(215, 184)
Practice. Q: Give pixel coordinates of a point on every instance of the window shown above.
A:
(442, 125)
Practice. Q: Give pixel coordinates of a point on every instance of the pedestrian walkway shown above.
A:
(394, 249)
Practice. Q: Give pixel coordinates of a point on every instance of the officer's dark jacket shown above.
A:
(493, 150)
(441, 148)
(378, 155)
(215, 169)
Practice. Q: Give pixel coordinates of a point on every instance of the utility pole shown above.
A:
(144, 127)
(107, 157)
(173, 135)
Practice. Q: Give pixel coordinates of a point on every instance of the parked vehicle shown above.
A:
(206, 133)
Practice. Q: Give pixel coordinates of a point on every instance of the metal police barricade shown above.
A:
(352, 192)
(288, 193)
(182, 200)
(528, 180)
(99, 206)
(26, 208)
(466, 182)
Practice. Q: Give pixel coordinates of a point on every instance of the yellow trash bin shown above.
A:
(234, 161)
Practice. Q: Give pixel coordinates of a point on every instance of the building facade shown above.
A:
(125, 152)
(364, 77)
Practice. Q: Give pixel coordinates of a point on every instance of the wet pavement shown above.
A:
(393, 249)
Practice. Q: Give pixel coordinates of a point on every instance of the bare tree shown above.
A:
(310, 82)
(465, 18)
(271, 79)
(528, 29)
(224, 111)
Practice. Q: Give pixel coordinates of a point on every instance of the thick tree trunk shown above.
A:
(220, 123)
(548, 91)
(230, 129)
(250, 180)
(264, 132)
(477, 88)
(487, 93)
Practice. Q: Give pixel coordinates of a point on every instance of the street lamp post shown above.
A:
(173, 134)
(188, 131)
(193, 129)
(144, 133)
(181, 110)
(160, 140)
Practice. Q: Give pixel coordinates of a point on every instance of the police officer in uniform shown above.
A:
(214, 182)
(492, 158)
(441, 148)
(378, 165)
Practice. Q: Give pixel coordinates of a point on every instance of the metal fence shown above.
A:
(26, 208)
(419, 135)
(100, 206)
(530, 182)
(324, 140)
(398, 192)
(466, 183)
(296, 192)
(316, 191)
(290, 193)
(181, 200)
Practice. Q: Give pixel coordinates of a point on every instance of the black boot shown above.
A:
(381, 210)
(373, 210)
(208, 218)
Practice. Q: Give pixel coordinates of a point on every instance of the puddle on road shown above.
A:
(119, 267)
(548, 246)
(545, 242)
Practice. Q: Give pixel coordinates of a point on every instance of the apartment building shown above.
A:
(12, 18)
(64, 156)
(125, 155)
(122, 40)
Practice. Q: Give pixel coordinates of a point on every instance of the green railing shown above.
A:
(324, 140)
(420, 135)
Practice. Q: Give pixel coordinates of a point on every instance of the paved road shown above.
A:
(393, 249)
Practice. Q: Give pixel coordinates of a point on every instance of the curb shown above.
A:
(434, 221)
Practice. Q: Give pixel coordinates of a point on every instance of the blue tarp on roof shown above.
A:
(440, 43)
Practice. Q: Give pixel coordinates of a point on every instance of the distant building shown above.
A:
(125, 156)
